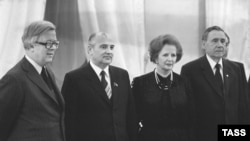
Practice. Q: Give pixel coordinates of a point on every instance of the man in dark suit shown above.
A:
(99, 104)
(249, 85)
(31, 106)
(248, 89)
(219, 86)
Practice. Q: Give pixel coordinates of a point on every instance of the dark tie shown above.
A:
(103, 80)
(218, 76)
(46, 78)
(105, 84)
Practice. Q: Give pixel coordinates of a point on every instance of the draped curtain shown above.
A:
(77, 19)
(234, 17)
(15, 15)
(70, 54)
(124, 20)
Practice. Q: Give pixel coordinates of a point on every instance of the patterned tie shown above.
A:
(46, 78)
(105, 84)
(218, 76)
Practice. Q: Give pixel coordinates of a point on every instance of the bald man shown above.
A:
(99, 104)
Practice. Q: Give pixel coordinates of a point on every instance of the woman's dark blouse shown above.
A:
(166, 115)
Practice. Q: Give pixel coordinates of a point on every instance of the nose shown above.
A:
(109, 50)
(170, 58)
(54, 47)
(221, 43)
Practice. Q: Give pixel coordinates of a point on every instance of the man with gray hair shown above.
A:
(31, 106)
(218, 85)
(99, 104)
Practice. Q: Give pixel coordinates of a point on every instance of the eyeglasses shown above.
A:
(49, 44)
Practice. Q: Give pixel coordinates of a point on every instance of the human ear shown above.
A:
(203, 44)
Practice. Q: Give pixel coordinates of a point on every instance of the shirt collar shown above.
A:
(213, 63)
(98, 69)
(34, 64)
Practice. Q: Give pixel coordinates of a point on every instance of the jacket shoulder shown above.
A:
(15, 71)
(118, 69)
(234, 63)
(178, 77)
(193, 63)
(77, 71)
(144, 77)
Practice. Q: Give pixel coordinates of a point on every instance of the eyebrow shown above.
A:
(107, 44)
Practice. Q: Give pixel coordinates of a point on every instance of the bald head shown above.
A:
(100, 49)
(99, 37)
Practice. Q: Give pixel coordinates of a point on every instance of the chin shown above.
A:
(168, 69)
(49, 61)
(108, 61)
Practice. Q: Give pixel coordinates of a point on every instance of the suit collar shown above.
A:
(98, 70)
(209, 75)
(96, 83)
(36, 78)
(212, 63)
(116, 79)
(34, 64)
(228, 76)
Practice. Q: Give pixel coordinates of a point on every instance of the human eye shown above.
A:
(103, 46)
(173, 55)
(49, 44)
(223, 41)
(112, 47)
(215, 40)
(166, 55)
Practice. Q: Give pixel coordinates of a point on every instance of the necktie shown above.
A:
(46, 78)
(218, 76)
(105, 84)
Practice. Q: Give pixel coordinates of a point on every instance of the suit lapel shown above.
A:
(36, 78)
(96, 84)
(228, 76)
(114, 84)
(59, 97)
(209, 75)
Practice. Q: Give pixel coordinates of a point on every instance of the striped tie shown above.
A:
(105, 84)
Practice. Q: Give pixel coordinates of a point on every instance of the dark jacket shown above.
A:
(164, 114)
(90, 115)
(213, 106)
(29, 111)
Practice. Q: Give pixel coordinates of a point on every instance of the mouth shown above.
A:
(169, 65)
(50, 54)
(219, 51)
(107, 57)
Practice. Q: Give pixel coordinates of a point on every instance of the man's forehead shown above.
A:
(104, 40)
(216, 34)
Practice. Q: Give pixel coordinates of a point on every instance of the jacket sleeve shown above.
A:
(131, 114)
(70, 97)
(191, 110)
(11, 98)
(244, 111)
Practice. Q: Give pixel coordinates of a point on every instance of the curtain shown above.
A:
(234, 17)
(70, 54)
(15, 15)
(124, 21)
(77, 19)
